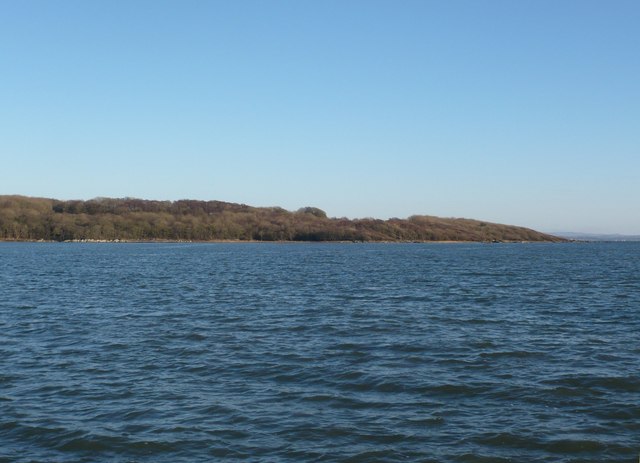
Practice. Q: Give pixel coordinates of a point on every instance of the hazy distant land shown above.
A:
(576, 236)
(27, 219)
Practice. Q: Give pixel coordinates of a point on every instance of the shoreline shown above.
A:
(161, 241)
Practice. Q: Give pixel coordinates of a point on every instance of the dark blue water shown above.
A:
(320, 352)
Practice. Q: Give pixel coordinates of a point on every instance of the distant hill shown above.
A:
(25, 218)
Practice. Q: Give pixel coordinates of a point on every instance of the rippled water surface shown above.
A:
(320, 352)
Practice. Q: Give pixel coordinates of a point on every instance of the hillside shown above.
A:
(25, 218)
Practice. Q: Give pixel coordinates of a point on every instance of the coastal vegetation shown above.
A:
(130, 219)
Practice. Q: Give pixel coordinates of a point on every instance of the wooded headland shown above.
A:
(129, 219)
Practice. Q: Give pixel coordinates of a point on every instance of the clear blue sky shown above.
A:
(522, 112)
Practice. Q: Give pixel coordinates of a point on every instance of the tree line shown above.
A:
(26, 218)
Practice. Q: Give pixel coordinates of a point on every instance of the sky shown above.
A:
(519, 112)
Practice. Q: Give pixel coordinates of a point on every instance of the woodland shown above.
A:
(130, 219)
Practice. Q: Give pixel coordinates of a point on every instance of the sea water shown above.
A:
(319, 352)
